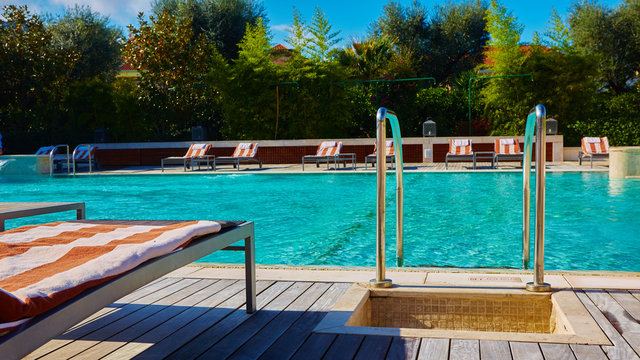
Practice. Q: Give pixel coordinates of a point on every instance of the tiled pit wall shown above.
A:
(415, 150)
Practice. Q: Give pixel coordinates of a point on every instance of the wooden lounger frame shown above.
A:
(43, 328)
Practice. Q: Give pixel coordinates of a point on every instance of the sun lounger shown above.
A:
(507, 149)
(593, 147)
(196, 154)
(57, 274)
(57, 158)
(244, 152)
(459, 149)
(327, 150)
(389, 153)
(84, 153)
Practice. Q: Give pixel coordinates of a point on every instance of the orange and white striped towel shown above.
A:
(196, 150)
(390, 150)
(460, 147)
(82, 152)
(595, 145)
(329, 148)
(245, 150)
(41, 266)
(507, 147)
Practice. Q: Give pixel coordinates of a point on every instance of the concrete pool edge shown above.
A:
(352, 313)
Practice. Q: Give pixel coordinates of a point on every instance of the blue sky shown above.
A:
(352, 18)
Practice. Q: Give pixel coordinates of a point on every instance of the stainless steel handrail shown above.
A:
(52, 154)
(74, 156)
(538, 283)
(381, 163)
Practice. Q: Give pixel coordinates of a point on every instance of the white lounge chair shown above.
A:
(593, 147)
(244, 152)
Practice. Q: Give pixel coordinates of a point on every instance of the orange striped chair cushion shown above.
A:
(460, 147)
(196, 150)
(42, 266)
(245, 150)
(389, 147)
(82, 152)
(595, 145)
(329, 148)
(507, 147)
(45, 150)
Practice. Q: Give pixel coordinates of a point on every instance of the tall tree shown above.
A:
(297, 37)
(322, 40)
(33, 75)
(91, 36)
(612, 35)
(558, 35)
(222, 22)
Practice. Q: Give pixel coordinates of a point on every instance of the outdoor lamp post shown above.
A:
(552, 126)
(489, 77)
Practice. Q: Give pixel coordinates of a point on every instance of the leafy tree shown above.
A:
(368, 59)
(612, 35)
(89, 34)
(322, 40)
(33, 75)
(406, 25)
(172, 63)
(222, 22)
(558, 34)
(297, 37)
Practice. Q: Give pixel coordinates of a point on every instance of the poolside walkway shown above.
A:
(197, 312)
(599, 166)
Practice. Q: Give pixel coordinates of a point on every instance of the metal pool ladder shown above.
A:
(381, 163)
(537, 120)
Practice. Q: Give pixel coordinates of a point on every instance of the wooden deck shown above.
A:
(189, 318)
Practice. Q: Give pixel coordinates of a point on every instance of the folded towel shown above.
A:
(506, 142)
(198, 146)
(592, 139)
(244, 146)
(328, 144)
(389, 143)
(460, 142)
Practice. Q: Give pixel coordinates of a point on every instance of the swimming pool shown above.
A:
(451, 219)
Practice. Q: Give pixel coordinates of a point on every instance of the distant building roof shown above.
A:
(280, 54)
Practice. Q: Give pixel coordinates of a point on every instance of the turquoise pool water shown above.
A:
(453, 219)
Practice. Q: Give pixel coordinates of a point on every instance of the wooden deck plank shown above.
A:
(556, 351)
(525, 351)
(465, 349)
(265, 337)
(374, 348)
(313, 348)
(233, 318)
(588, 352)
(403, 348)
(628, 302)
(233, 340)
(295, 336)
(344, 347)
(199, 291)
(494, 350)
(620, 349)
(618, 317)
(207, 314)
(144, 307)
(114, 312)
(436, 349)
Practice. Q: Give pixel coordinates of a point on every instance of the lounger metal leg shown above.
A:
(80, 213)
(250, 273)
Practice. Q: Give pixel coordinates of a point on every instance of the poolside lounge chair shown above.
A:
(390, 155)
(459, 149)
(244, 152)
(327, 150)
(122, 256)
(593, 147)
(196, 154)
(53, 152)
(507, 149)
(84, 153)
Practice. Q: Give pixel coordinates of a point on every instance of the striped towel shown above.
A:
(245, 150)
(82, 152)
(460, 147)
(507, 147)
(329, 148)
(45, 150)
(390, 151)
(594, 145)
(196, 150)
(41, 266)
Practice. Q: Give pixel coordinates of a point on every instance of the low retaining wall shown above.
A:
(415, 150)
